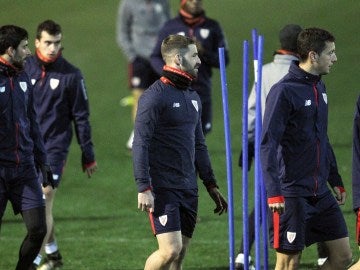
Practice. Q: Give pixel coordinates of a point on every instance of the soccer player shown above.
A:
(60, 100)
(137, 27)
(271, 74)
(303, 210)
(169, 149)
(208, 35)
(21, 145)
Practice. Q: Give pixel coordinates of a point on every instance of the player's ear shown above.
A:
(177, 59)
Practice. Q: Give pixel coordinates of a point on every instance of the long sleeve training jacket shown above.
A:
(60, 97)
(20, 139)
(295, 131)
(168, 141)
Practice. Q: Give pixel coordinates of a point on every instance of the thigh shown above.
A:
(170, 241)
(24, 189)
(142, 74)
(188, 212)
(327, 222)
(291, 226)
(166, 215)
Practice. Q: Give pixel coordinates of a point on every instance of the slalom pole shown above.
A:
(228, 158)
(257, 188)
(245, 180)
(258, 128)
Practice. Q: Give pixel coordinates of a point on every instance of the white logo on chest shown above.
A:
(54, 83)
(195, 104)
(176, 105)
(23, 86)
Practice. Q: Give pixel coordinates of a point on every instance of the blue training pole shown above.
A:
(228, 158)
(258, 128)
(245, 188)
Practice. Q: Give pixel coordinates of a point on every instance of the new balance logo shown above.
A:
(176, 105)
(308, 102)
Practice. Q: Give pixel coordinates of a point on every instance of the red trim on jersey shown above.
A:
(277, 199)
(7, 63)
(46, 59)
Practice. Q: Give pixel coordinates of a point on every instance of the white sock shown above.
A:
(241, 259)
(51, 247)
(130, 140)
(37, 260)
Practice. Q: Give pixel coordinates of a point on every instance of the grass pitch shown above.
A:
(98, 225)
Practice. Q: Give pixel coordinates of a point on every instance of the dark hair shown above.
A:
(288, 37)
(11, 36)
(312, 39)
(49, 26)
(175, 42)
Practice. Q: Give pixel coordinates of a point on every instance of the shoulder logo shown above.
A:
(176, 105)
(54, 83)
(291, 236)
(2, 89)
(195, 104)
(163, 220)
(23, 86)
(204, 33)
(324, 97)
(308, 102)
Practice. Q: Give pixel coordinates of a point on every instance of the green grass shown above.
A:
(98, 225)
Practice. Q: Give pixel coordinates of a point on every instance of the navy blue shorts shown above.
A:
(20, 186)
(141, 74)
(308, 220)
(175, 210)
(57, 169)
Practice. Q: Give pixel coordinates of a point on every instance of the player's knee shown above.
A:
(172, 253)
(37, 232)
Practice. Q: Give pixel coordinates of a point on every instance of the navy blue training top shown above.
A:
(169, 142)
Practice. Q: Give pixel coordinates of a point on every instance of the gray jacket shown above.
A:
(138, 24)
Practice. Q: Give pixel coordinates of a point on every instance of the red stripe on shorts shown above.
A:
(358, 227)
(276, 220)
(151, 218)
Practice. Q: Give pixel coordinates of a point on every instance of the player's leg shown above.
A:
(286, 260)
(339, 254)
(206, 114)
(53, 257)
(177, 263)
(34, 220)
(170, 247)
(356, 266)
(322, 253)
(239, 260)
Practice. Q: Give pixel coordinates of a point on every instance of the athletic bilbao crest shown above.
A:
(194, 102)
(33, 81)
(23, 86)
(204, 33)
(54, 83)
(2, 89)
(324, 97)
(291, 236)
(163, 220)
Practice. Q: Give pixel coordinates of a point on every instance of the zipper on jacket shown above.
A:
(16, 150)
(316, 172)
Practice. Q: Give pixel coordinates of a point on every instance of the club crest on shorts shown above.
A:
(324, 97)
(194, 102)
(291, 236)
(54, 83)
(23, 86)
(163, 220)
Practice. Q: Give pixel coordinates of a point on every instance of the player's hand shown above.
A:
(221, 204)
(146, 201)
(340, 195)
(251, 153)
(90, 169)
(47, 176)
